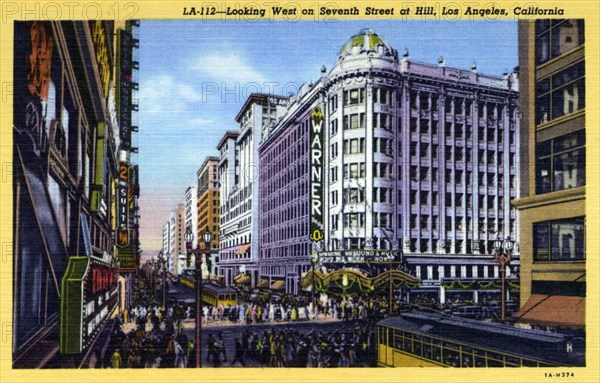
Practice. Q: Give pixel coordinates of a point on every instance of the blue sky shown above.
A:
(195, 75)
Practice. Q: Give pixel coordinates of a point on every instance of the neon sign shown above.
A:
(316, 175)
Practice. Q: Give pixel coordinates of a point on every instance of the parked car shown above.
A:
(471, 312)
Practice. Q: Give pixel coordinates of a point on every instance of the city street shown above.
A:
(316, 343)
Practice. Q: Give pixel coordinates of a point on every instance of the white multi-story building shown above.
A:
(238, 172)
(174, 240)
(191, 213)
(166, 241)
(417, 158)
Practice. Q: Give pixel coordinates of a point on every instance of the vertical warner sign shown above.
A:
(316, 175)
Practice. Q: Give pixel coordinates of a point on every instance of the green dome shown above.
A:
(367, 41)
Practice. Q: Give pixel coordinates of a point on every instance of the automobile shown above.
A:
(494, 309)
(471, 312)
(259, 296)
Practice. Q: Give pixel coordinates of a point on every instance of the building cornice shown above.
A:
(561, 196)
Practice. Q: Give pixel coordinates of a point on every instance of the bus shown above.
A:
(423, 339)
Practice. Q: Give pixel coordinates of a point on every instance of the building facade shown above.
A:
(74, 210)
(418, 160)
(177, 256)
(238, 172)
(283, 195)
(208, 206)
(553, 168)
(191, 212)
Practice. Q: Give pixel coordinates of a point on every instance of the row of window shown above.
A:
(555, 37)
(295, 250)
(560, 94)
(561, 163)
(424, 149)
(493, 133)
(562, 240)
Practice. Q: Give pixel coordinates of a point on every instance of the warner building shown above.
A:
(419, 162)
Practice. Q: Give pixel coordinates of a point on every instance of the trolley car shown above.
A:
(420, 339)
(215, 295)
(212, 293)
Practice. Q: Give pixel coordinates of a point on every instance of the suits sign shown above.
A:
(123, 205)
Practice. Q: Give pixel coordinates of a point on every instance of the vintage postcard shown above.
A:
(251, 191)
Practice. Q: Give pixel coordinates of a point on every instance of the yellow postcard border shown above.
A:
(154, 9)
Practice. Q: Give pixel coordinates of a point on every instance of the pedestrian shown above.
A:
(180, 358)
(190, 353)
(220, 346)
(116, 359)
(211, 347)
(239, 353)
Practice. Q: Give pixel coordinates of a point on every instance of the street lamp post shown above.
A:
(502, 249)
(207, 237)
(312, 290)
(154, 275)
(189, 237)
(163, 261)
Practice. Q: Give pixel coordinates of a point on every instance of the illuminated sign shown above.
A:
(123, 205)
(126, 260)
(358, 256)
(316, 175)
(97, 188)
(123, 96)
(40, 60)
(89, 295)
(101, 47)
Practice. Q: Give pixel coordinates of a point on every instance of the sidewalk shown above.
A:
(191, 323)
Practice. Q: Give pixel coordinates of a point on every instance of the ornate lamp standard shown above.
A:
(313, 259)
(154, 275)
(502, 249)
(189, 237)
(162, 260)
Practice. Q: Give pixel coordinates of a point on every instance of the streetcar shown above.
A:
(423, 339)
(213, 293)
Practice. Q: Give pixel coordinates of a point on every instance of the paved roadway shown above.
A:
(231, 332)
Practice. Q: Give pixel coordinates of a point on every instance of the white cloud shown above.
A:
(164, 94)
(227, 67)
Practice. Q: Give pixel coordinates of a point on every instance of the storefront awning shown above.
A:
(262, 284)
(278, 285)
(241, 278)
(243, 249)
(553, 310)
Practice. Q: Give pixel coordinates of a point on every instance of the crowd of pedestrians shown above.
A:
(149, 336)
(292, 348)
(298, 308)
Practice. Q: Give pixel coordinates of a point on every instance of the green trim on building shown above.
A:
(71, 305)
